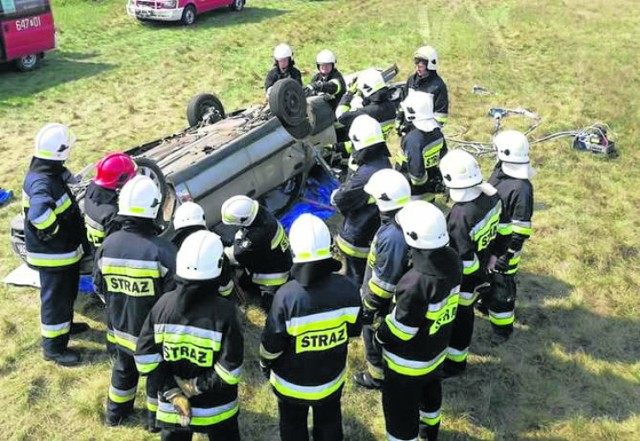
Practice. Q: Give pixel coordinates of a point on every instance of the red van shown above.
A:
(26, 32)
(184, 11)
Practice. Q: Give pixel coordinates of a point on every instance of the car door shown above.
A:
(208, 5)
(26, 27)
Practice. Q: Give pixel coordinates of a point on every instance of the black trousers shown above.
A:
(327, 419)
(58, 291)
(372, 353)
(225, 431)
(460, 339)
(124, 383)
(411, 405)
(501, 303)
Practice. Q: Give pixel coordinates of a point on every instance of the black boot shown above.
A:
(65, 358)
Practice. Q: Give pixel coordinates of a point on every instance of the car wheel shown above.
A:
(237, 5)
(28, 63)
(149, 167)
(287, 102)
(320, 114)
(188, 15)
(204, 106)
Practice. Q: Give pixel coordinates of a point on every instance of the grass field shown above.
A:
(572, 369)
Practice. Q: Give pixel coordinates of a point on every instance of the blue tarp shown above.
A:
(5, 196)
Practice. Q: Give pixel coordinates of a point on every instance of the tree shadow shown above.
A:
(554, 368)
(58, 67)
(222, 17)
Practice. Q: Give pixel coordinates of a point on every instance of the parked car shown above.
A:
(265, 152)
(184, 11)
(26, 32)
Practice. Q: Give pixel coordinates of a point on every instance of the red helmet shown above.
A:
(114, 170)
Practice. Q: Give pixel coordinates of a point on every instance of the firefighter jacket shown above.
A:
(133, 268)
(517, 204)
(332, 86)
(388, 260)
(263, 249)
(418, 160)
(100, 213)
(225, 284)
(415, 335)
(378, 106)
(433, 84)
(191, 333)
(53, 226)
(307, 332)
(361, 219)
(276, 74)
(473, 227)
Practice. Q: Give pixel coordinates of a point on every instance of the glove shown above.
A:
(377, 321)
(265, 368)
(317, 86)
(353, 87)
(308, 91)
(189, 387)
(399, 123)
(181, 404)
(502, 264)
(367, 315)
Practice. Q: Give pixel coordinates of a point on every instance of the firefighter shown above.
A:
(511, 179)
(473, 223)
(426, 79)
(371, 88)
(133, 269)
(283, 67)
(304, 342)
(101, 199)
(415, 334)
(54, 233)
(189, 218)
(421, 148)
(386, 263)
(260, 246)
(361, 218)
(191, 346)
(328, 82)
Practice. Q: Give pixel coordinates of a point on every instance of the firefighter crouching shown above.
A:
(511, 179)
(473, 222)
(189, 218)
(386, 264)
(415, 335)
(54, 231)
(361, 219)
(191, 346)
(133, 269)
(305, 339)
(260, 246)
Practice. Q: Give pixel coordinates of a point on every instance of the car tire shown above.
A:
(288, 103)
(149, 167)
(237, 5)
(200, 104)
(320, 114)
(188, 15)
(28, 63)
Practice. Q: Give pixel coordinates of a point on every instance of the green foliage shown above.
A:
(570, 372)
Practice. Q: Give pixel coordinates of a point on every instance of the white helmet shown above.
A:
(418, 109)
(310, 239)
(325, 57)
(390, 189)
(460, 170)
(365, 132)
(200, 256)
(513, 150)
(369, 82)
(54, 142)
(140, 197)
(187, 215)
(239, 210)
(424, 225)
(282, 51)
(428, 54)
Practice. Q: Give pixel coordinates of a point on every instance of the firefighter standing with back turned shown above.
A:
(305, 340)
(191, 346)
(133, 269)
(474, 220)
(386, 264)
(511, 179)
(415, 335)
(54, 231)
